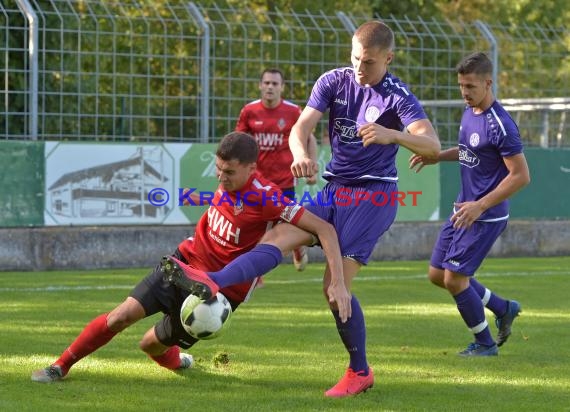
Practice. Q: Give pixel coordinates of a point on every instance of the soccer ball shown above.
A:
(205, 319)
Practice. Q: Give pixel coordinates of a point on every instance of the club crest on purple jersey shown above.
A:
(372, 113)
(474, 140)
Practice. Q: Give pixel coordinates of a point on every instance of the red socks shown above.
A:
(169, 359)
(97, 334)
(93, 336)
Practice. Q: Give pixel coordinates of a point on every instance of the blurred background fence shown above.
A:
(178, 71)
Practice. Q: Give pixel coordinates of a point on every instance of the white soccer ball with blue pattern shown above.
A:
(205, 319)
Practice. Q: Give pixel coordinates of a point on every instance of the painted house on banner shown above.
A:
(118, 189)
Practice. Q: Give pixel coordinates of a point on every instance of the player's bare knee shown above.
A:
(269, 237)
(146, 345)
(118, 321)
(286, 237)
(151, 345)
(436, 279)
(455, 283)
(436, 276)
(124, 315)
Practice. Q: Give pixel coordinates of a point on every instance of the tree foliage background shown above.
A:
(122, 81)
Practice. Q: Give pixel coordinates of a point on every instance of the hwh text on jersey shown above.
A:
(221, 229)
(267, 141)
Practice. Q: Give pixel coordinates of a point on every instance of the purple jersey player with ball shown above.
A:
(371, 114)
(493, 168)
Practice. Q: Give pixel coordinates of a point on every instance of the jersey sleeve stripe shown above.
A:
(498, 121)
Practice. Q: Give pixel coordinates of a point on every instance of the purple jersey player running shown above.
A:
(371, 113)
(493, 168)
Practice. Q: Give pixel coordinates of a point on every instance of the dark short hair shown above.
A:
(475, 63)
(238, 146)
(273, 71)
(375, 34)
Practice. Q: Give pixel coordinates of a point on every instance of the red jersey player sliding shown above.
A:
(225, 232)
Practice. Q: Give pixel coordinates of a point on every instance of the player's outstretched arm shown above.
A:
(418, 162)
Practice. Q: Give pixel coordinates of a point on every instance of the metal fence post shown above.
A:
(346, 22)
(32, 17)
(204, 73)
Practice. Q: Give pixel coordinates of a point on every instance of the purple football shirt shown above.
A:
(484, 139)
(389, 103)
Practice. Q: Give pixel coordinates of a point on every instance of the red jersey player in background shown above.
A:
(269, 120)
(227, 230)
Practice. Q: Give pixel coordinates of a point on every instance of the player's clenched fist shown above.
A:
(374, 133)
(304, 167)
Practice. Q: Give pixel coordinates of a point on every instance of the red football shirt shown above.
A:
(234, 224)
(271, 129)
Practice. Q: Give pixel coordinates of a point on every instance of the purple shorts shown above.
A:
(463, 250)
(360, 214)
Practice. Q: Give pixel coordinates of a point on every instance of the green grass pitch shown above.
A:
(281, 350)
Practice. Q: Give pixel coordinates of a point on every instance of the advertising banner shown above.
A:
(111, 184)
(21, 184)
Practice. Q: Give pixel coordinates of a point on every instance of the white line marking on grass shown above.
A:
(420, 276)
(65, 288)
(291, 281)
